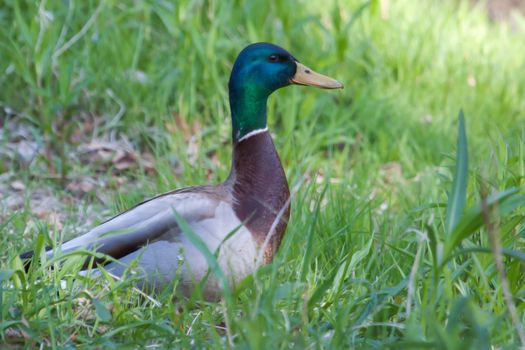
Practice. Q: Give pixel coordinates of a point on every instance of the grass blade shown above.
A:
(201, 246)
(505, 201)
(102, 312)
(458, 194)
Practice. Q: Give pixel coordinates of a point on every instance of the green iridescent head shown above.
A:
(259, 70)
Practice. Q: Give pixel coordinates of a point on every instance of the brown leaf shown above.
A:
(97, 145)
(47, 207)
(81, 187)
(392, 172)
(84, 309)
(183, 126)
(124, 160)
(15, 333)
(116, 182)
(196, 128)
(52, 218)
(148, 162)
(192, 150)
(84, 129)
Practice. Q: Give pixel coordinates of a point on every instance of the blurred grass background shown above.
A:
(370, 165)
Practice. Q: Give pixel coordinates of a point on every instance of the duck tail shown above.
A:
(28, 257)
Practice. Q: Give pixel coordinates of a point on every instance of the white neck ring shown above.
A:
(253, 133)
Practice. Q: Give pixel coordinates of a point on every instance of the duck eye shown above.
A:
(273, 58)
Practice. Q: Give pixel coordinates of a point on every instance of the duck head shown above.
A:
(259, 70)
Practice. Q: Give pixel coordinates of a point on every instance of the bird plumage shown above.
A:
(242, 221)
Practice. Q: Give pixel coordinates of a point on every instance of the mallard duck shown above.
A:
(243, 218)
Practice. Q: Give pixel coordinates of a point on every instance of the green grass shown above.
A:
(388, 245)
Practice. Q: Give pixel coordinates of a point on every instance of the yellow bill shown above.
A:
(306, 76)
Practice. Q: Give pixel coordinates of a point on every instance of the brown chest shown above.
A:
(260, 191)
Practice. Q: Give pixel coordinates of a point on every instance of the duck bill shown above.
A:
(306, 76)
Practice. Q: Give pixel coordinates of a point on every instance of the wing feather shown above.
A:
(148, 222)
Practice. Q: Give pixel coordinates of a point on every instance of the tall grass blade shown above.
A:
(309, 240)
(506, 202)
(458, 194)
(510, 253)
